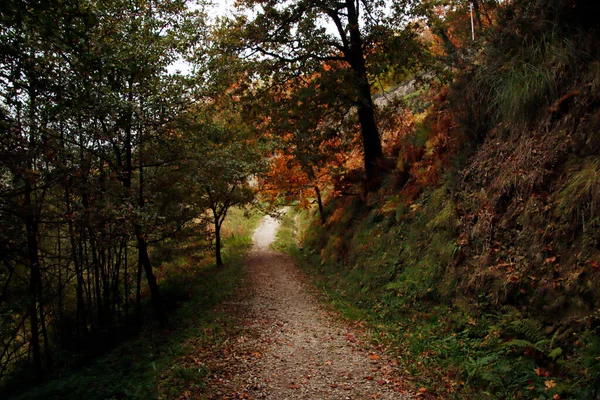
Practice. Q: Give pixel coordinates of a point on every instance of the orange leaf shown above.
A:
(550, 384)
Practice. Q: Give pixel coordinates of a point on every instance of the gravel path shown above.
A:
(291, 347)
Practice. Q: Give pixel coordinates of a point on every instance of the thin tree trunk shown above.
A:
(144, 261)
(31, 228)
(320, 203)
(97, 283)
(217, 237)
(60, 278)
(34, 280)
(126, 279)
(44, 331)
(143, 258)
(138, 291)
(477, 14)
(80, 306)
(87, 283)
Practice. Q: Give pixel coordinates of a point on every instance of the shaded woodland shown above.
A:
(463, 135)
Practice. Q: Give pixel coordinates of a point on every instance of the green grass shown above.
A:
(160, 362)
(580, 196)
(397, 278)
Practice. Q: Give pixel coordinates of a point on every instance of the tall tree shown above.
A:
(293, 39)
(85, 156)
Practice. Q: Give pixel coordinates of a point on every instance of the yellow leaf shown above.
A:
(550, 384)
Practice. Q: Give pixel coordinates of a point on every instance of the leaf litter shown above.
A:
(288, 345)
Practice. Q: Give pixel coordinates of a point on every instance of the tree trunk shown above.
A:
(35, 279)
(77, 264)
(144, 261)
(477, 14)
(320, 203)
(44, 331)
(138, 291)
(372, 150)
(31, 227)
(143, 258)
(126, 279)
(217, 238)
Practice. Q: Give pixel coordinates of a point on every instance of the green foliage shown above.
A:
(486, 286)
(399, 277)
(525, 67)
(303, 93)
(579, 197)
(517, 86)
(88, 84)
(154, 364)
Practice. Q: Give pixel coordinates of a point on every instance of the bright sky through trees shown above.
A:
(215, 9)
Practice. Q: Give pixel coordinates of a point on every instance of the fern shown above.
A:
(528, 330)
(520, 344)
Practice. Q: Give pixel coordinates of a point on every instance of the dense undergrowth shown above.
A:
(161, 362)
(477, 261)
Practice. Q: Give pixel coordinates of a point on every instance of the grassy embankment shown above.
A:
(477, 263)
(161, 362)
(390, 276)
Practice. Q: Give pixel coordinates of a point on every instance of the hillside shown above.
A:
(479, 256)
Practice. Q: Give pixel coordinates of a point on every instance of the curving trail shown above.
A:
(291, 347)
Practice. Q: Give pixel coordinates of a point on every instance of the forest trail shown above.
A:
(291, 347)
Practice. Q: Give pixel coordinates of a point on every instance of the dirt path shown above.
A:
(290, 347)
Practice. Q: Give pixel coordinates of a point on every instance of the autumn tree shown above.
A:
(290, 41)
(310, 148)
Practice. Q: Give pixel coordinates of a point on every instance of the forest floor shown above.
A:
(290, 345)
